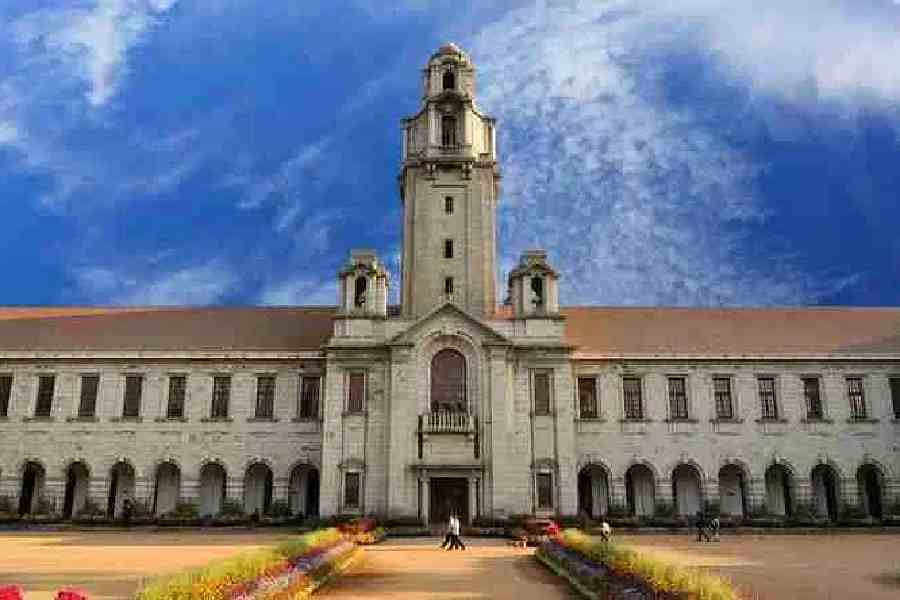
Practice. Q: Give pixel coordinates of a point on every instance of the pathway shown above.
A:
(417, 569)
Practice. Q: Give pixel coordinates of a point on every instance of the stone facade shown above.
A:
(448, 402)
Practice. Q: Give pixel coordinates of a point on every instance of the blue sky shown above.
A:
(697, 152)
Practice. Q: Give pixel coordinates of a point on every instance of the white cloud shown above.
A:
(304, 291)
(638, 202)
(93, 38)
(145, 285)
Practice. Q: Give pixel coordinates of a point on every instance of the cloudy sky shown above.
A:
(692, 152)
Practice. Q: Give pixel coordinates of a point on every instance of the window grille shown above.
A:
(87, 404)
(545, 490)
(351, 490)
(724, 403)
(448, 248)
(857, 398)
(44, 405)
(448, 382)
(448, 205)
(678, 408)
(356, 395)
(631, 392)
(5, 394)
(813, 398)
(220, 397)
(175, 406)
(587, 398)
(448, 132)
(309, 398)
(132, 405)
(448, 287)
(767, 400)
(542, 393)
(265, 397)
(895, 396)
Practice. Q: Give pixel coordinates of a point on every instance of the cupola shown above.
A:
(363, 286)
(534, 286)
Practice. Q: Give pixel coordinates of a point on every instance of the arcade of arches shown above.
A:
(779, 493)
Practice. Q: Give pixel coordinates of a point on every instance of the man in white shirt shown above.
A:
(455, 542)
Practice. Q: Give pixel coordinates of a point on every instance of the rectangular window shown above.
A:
(132, 405)
(351, 490)
(448, 205)
(448, 286)
(545, 490)
(357, 392)
(587, 398)
(44, 405)
(448, 248)
(631, 394)
(724, 404)
(895, 396)
(678, 408)
(265, 397)
(542, 393)
(175, 406)
(87, 405)
(309, 398)
(767, 401)
(221, 396)
(857, 398)
(5, 394)
(813, 398)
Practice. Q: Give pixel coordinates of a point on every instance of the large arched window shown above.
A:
(448, 131)
(449, 80)
(448, 382)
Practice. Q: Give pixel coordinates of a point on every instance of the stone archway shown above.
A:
(121, 485)
(640, 490)
(870, 480)
(779, 491)
(77, 489)
(258, 489)
(687, 491)
(33, 478)
(303, 491)
(593, 491)
(732, 491)
(167, 491)
(825, 491)
(213, 489)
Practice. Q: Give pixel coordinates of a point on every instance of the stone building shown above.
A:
(451, 401)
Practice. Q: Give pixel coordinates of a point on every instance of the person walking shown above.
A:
(701, 527)
(455, 541)
(605, 531)
(448, 535)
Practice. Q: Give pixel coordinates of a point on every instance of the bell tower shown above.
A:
(449, 186)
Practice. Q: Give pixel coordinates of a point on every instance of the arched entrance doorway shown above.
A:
(448, 382)
(213, 485)
(167, 491)
(732, 491)
(593, 492)
(303, 491)
(779, 491)
(121, 485)
(871, 489)
(258, 489)
(33, 477)
(640, 491)
(686, 490)
(825, 490)
(77, 482)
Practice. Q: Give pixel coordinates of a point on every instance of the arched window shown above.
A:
(448, 131)
(359, 292)
(449, 80)
(537, 290)
(448, 382)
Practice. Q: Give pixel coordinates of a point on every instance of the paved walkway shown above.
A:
(417, 569)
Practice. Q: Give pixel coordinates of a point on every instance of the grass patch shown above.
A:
(214, 581)
(617, 563)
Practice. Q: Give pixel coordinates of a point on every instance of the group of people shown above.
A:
(707, 529)
(452, 540)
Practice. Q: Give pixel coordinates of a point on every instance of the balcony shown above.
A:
(447, 422)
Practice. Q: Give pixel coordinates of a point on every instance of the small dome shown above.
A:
(449, 48)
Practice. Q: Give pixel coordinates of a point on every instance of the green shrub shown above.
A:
(279, 509)
(184, 511)
(90, 509)
(658, 574)
(232, 508)
(44, 506)
(663, 509)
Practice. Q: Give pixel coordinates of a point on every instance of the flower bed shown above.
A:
(610, 571)
(292, 570)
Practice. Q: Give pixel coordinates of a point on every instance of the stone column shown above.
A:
(190, 490)
(617, 494)
(426, 505)
(473, 499)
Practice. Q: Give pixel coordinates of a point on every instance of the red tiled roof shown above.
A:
(163, 328)
(597, 331)
(732, 332)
